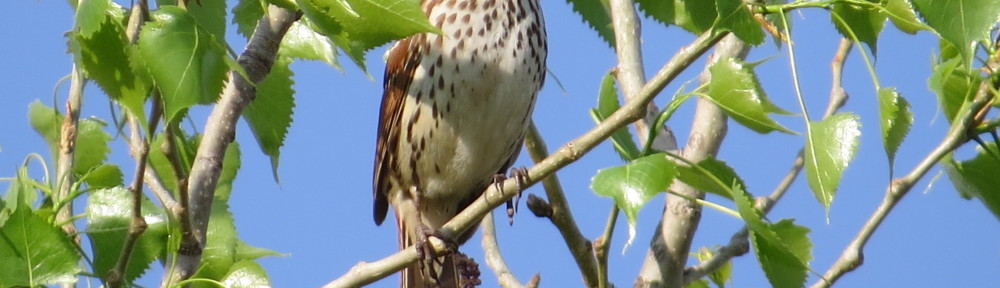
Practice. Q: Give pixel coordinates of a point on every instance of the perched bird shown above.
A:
(454, 112)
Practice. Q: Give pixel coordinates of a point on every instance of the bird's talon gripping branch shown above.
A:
(520, 175)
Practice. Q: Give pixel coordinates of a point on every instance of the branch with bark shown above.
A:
(220, 129)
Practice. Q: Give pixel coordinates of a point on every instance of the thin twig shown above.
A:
(220, 130)
(364, 273)
(494, 258)
(603, 243)
(67, 149)
(140, 151)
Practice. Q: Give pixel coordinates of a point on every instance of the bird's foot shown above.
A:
(520, 175)
(427, 256)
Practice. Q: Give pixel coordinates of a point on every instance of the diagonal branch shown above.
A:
(365, 273)
(220, 130)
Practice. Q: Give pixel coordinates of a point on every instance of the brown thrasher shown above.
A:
(455, 109)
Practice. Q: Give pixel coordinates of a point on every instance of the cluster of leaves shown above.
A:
(179, 59)
(783, 248)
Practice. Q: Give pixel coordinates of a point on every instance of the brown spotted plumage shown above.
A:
(454, 112)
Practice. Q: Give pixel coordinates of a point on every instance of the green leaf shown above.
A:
(902, 15)
(220, 250)
(21, 191)
(159, 162)
(694, 16)
(210, 17)
(185, 61)
(246, 13)
(107, 58)
(90, 16)
(864, 22)
(735, 17)
(735, 88)
(704, 182)
(271, 114)
(633, 184)
(894, 111)
(830, 147)
(783, 267)
(977, 177)
(246, 251)
(305, 43)
(700, 283)
(91, 140)
(607, 103)
(357, 26)
(103, 176)
(960, 22)
(954, 84)
(719, 276)
(597, 15)
(795, 237)
(35, 253)
(109, 214)
(246, 274)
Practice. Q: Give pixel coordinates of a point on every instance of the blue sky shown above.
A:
(320, 214)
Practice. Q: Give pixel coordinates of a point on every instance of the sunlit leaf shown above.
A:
(270, 114)
(735, 88)
(734, 16)
(246, 274)
(633, 184)
(91, 140)
(954, 85)
(960, 22)
(103, 176)
(782, 265)
(109, 214)
(185, 60)
(704, 182)
(607, 103)
(304, 43)
(34, 253)
(863, 21)
(357, 26)
(597, 15)
(894, 111)
(830, 147)
(904, 17)
(977, 177)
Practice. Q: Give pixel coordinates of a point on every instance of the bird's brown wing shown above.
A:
(399, 69)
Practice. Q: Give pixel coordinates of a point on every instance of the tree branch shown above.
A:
(495, 260)
(364, 273)
(67, 149)
(220, 130)
(558, 211)
(668, 252)
(631, 75)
